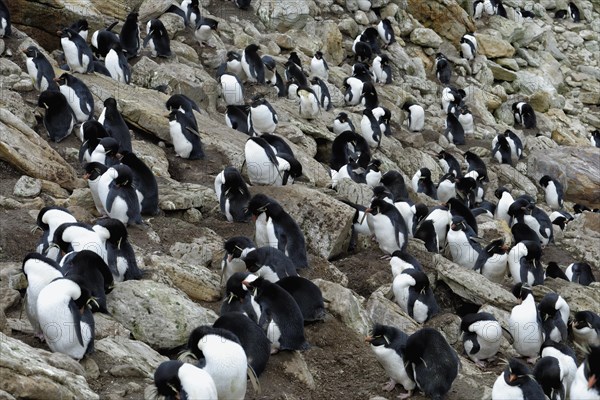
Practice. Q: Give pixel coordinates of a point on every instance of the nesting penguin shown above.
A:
(308, 296)
(176, 379)
(267, 167)
(78, 96)
(157, 38)
(310, 104)
(58, 117)
(524, 263)
(120, 256)
(39, 69)
(492, 261)
(416, 116)
(321, 92)
(204, 28)
(580, 273)
(481, 336)
(48, 220)
(516, 382)
(586, 328)
(118, 196)
(232, 193)
(352, 89)
(524, 115)
(554, 313)
(414, 295)
(382, 70)
(461, 241)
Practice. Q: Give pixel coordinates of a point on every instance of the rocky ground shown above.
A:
(555, 65)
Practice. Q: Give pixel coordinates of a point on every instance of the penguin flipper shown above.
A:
(76, 320)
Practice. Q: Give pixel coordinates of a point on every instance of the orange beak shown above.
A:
(368, 339)
(512, 378)
(592, 381)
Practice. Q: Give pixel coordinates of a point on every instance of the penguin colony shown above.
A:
(267, 303)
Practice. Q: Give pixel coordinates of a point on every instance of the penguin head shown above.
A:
(545, 180)
(80, 25)
(110, 103)
(458, 223)
(521, 290)
(406, 107)
(94, 170)
(315, 80)
(234, 287)
(579, 208)
(498, 192)
(124, 177)
(380, 335)
(425, 174)
(497, 246)
(420, 210)
(378, 206)
(374, 165)
(64, 79)
(591, 369)
(449, 177)
(233, 56)
(421, 280)
(384, 60)
(85, 299)
(258, 101)
(133, 16)
(110, 145)
(32, 52)
(116, 229)
(360, 69)
(261, 203)
(381, 192)
(269, 62)
(295, 59)
(519, 207)
(319, 55)
(440, 56)
(251, 48)
(516, 373)
(93, 130)
(250, 258)
(166, 378)
(67, 33)
(342, 117)
(50, 99)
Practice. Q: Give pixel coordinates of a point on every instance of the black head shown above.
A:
(517, 373)
(406, 107)
(233, 55)
(251, 48)
(94, 170)
(545, 180)
(93, 130)
(166, 378)
(342, 117)
(374, 165)
(50, 99)
(258, 101)
(200, 332)
(379, 206)
(43, 211)
(579, 208)
(32, 52)
(449, 176)
(425, 174)
(458, 223)
(421, 280)
(110, 103)
(111, 146)
(497, 246)
(382, 335)
(319, 55)
(117, 230)
(234, 286)
(584, 319)
(68, 33)
(261, 203)
(124, 177)
(521, 290)
(235, 245)
(80, 25)
(269, 62)
(498, 192)
(132, 16)
(440, 56)
(381, 192)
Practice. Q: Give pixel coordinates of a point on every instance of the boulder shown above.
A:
(182, 196)
(384, 311)
(284, 14)
(346, 305)
(426, 37)
(446, 17)
(581, 238)
(508, 174)
(578, 297)
(27, 186)
(155, 313)
(123, 356)
(494, 47)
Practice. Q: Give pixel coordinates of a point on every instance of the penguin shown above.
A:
(238, 298)
(524, 114)
(465, 118)
(476, 164)
(574, 12)
(280, 317)
(422, 180)
(554, 271)
(236, 117)
(282, 232)
(386, 32)
(77, 53)
(526, 13)
(67, 323)
(352, 88)
(369, 97)
(318, 66)
(119, 252)
(308, 296)
(322, 93)
(81, 26)
(464, 249)
(175, 379)
(234, 63)
(191, 12)
(269, 263)
(78, 96)
(416, 116)
(370, 36)
(309, 103)
(294, 72)
(48, 220)
(89, 269)
(522, 232)
(501, 150)
(394, 182)
(517, 382)
(499, 8)
(468, 46)
(388, 228)
(481, 337)
(505, 200)
(232, 89)
(537, 219)
(452, 99)
(280, 86)
(567, 360)
(264, 166)
(427, 233)
(39, 69)
(130, 36)
(514, 143)
(554, 192)
(220, 353)
(478, 9)
(373, 173)
(58, 117)
(144, 182)
(284, 152)
(182, 103)
(524, 263)
(117, 65)
(595, 138)
(401, 261)
(449, 163)
(362, 50)
(383, 116)
(413, 294)
(186, 139)
(262, 118)
(103, 40)
(115, 125)
(381, 69)
(370, 129)
(232, 261)
(586, 384)
(586, 328)
(388, 343)
(554, 313)
(204, 28)
(446, 187)
(434, 362)
(492, 261)
(158, 39)
(270, 69)
(580, 273)
(76, 236)
(524, 323)
(233, 194)
(242, 4)
(106, 152)
(5, 24)
(361, 71)
(352, 171)
(443, 69)
(39, 271)
(457, 208)
(118, 195)
(252, 64)
(454, 132)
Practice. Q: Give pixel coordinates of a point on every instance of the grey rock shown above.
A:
(346, 305)
(382, 310)
(425, 37)
(27, 186)
(138, 357)
(183, 196)
(581, 237)
(283, 15)
(295, 366)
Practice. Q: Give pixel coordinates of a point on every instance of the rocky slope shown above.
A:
(555, 65)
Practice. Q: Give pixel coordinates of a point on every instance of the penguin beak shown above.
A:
(368, 339)
(512, 378)
(229, 257)
(592, 381)
(86, 176)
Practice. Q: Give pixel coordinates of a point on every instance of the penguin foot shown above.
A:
(40, 336)
(388, 387)
(386, 257)
(532, 360)
(481, 364)
(405, 395)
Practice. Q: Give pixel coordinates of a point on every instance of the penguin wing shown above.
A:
(131, 198)
(282, 238)
(266, 316)
(111, 196)
(76, 320)
(124, 65)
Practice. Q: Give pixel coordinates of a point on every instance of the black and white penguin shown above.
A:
(89, 269)
(77, 53)
(158, 39)
(103, 39)
(346, 145)
(457, 208)
(232, 89)
(414, 295)
(262, 118)
(175, 379)
(361, 71)
(185, 105)
(119, 252)
(264, 166)
(361, 49)
(269, 263)
(522, 210)
(308, 296)
(144, 182)
(106, 152)
(191, 12)
(318, 66)
(370, 129)
(452, 99)
(233, 194)
(466, 190)
(468, 46)
(220, 353)
(446, 187)
(524, 263)
(322, 93)
(492, 261)
(117, 65)
(505, 200)
(236, 117)
(67, 323)
(252, 338)
(460, 239)
(422, 183)
(77, 236)
(310, 104)
(586, 328)
(416, 116)
(554, 192)
(293, 70)
(388, 226)
(443, 69)
(185, 138)
(280, 316)
(524, 323)
(381, 69)
(384, 117)
(58, 117)
(270, 69)
(370, 36)
(48, 220)
(454, 132)
(554, 312)
(39, 69)
(401, 261)
(234, 63)
(580, 273)
(252, 64)
(522, 232)
(426, 231)
(118, 196)
(232, 261)
(373, 173)
(130, 36)
(386, 32)
(501, 150)
(115, 125)
(476, 164)
(78, 96)
(514, 143)
(276, 228)
(394, 182)
(449, 163)
(517, 382)
(524, 114)
(369, 98)
(567, 361)
(39, 271)
(204, 29)
(554, 271)
(82, 27)
(242, 4)
(478, 9)
(481, 336)
(586, 384)
(352, 88)
(573, 12)
(5, 25)
(465, 117)
(434, 362)
(595, 138)
(388, 343)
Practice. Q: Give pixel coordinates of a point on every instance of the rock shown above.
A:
(326, 223)
(577, 168)
(500, 73)
(447, 324)
(283, 15)
(494, 47)
(14, 103)
(294, 365)
(384, 311)
(156, 314)
(446, 17)
(28, 372)
(150, 9)
(508, 174)
(24, 149)
(182, 196)
(579, 298)
(581, 238)
(202, 249)
(138, 357)
(153, 156)
(106, 326)
(425, 37)
(346, 305)
(357, 193)
(333, 50)
(27, 186)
